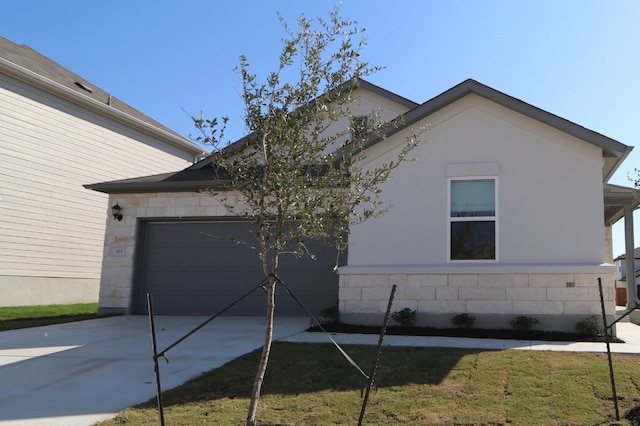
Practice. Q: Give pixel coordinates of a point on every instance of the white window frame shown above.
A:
(494, 218)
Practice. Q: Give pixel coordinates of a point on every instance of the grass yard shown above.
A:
(311, 384)
(14, 317)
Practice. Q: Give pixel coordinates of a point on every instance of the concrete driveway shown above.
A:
(80, 373)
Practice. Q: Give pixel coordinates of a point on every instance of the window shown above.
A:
(360, 130)
(472, 219)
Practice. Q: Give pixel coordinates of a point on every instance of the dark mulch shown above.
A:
(633, 416)
(554, 336)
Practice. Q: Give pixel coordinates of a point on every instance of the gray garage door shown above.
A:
(196, 268)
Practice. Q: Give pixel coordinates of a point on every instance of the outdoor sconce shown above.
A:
(115, 210)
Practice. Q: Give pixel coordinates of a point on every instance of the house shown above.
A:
(505, 212)
(57, 132)
(623, 269)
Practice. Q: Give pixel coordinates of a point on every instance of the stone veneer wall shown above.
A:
(557, 300)
(120, 237)
(493, 298)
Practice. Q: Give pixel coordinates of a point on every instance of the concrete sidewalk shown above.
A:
(80, 373)
(626, 331)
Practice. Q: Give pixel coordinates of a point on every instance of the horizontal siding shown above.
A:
(51, 225)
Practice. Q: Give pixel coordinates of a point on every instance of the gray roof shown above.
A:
(636, 254)
(196, 177)
(613, 151)
(616, 197)
(27, 64)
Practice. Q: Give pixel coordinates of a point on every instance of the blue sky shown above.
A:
(579, 59)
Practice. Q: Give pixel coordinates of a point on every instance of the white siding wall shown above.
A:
(51, 228)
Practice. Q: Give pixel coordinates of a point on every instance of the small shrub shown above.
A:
(330, 315)
(463, 320)
(523, 323)
(405, 317)
(590, 326)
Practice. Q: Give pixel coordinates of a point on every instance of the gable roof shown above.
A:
(613, 151)
(357, 83)
(27, 65)
(198, 176)
(636, 254)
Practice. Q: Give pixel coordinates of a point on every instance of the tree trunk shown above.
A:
(264, 358)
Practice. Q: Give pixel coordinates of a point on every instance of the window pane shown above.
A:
(473, 198)
(473, 240)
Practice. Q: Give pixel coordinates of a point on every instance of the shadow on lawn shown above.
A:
(296, 368)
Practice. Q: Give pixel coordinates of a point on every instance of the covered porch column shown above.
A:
(629, 248)
(620, 202)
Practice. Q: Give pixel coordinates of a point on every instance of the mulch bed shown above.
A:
(552, 336)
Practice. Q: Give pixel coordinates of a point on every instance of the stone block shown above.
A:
(349, 293)
(584, 307)
(537, 307)
(490, 306)
(123, 292)
(447, 293)
(430, 280)
(572, 293)
(441, 307)
(587, 280)
(182, 211)
(460, 280)
(482, 293)
(376, 293)
(162, 202)
(550, 280)
(399, 280)
(119, 302)
(187, 201)
(527, 293)
(361, 306)
(412, 293)
(503, 280)
(369, 281)
(117, 261)
(208, 200)
(135, 203)
(212, 211)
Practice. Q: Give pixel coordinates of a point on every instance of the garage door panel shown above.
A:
(197, 268)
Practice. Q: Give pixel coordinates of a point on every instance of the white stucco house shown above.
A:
(505, 212)
(57, 132)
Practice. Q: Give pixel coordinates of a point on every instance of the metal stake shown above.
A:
(155, 359)
(607, 339)
(372, 376)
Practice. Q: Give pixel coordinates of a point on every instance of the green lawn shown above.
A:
(311, 384)
(32, 316)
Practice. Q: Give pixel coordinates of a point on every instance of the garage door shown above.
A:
(196, 268)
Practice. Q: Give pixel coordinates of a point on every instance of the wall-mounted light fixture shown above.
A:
(115, 210)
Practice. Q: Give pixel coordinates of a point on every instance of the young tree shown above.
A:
(298, 175)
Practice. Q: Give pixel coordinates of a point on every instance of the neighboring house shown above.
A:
(505, 212)
(57, 132)
(621, 269)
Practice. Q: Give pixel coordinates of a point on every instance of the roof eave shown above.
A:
(50, 86)
(610, 147)
(146, 187)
